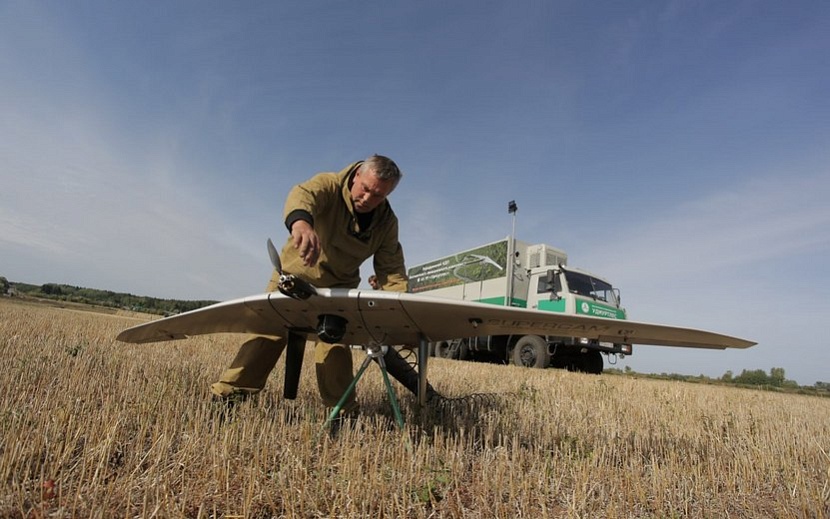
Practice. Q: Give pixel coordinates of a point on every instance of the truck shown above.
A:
(514, 273)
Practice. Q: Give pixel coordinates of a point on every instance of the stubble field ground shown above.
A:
(90, 427)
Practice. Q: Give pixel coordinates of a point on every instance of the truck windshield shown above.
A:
(585, 285)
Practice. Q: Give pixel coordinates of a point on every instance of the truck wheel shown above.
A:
(531, 351)
(592, 362)
(456, 349)
(463, 349)
(443, 350)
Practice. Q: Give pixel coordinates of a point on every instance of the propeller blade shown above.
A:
(275, 256)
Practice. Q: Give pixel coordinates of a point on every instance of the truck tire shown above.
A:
(531, 351)
(463, 349)
(442, 350)
(592, 362)
(455, 349)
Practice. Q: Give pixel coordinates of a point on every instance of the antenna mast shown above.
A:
(511, 253)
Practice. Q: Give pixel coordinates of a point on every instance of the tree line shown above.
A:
(775, 380)
(105, 298)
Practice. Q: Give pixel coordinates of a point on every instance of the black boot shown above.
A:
(404, 373)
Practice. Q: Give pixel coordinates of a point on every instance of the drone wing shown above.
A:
(399, 318)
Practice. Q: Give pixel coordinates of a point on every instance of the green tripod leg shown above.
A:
(339, 407)
(390, 391)
(372, 352)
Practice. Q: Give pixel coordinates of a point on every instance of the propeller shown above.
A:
(275, 256)
(289, 284)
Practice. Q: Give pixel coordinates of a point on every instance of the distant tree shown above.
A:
(728, 376)
(777, 377)
(4, 285)
(755, 377)
(51, 289)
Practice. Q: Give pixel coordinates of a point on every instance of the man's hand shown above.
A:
(306, 242)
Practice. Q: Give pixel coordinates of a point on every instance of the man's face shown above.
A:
(368, 191)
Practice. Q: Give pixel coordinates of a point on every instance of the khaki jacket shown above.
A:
(327, 198)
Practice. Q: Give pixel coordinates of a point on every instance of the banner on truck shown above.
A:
(474, 265)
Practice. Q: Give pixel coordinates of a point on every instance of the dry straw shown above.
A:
(94, 428)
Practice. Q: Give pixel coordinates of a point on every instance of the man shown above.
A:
(336, 221)
(373, 282)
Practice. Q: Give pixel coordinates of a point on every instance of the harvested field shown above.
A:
(94, 428)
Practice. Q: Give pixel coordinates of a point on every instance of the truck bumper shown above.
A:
(595, 345)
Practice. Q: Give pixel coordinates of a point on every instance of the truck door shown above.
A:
(546, 291)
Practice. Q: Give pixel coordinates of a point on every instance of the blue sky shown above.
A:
(680, 149)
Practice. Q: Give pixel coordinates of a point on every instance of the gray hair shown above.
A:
(383, 167)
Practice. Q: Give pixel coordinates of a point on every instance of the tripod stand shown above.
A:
(373, 352)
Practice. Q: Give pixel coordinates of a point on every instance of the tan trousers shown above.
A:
(257, 357)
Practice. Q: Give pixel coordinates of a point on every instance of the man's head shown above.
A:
(373, 282)
(373, 181)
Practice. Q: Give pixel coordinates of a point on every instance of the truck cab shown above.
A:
(574, 291)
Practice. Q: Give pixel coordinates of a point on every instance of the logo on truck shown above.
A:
(481, 264)
(596, 310)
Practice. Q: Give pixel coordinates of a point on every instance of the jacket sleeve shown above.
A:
(304, 200)
(389, 263)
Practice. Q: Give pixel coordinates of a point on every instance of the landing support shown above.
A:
(423, 358)
(373, 352)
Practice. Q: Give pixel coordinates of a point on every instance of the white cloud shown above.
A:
(773, 218)
(732, 262)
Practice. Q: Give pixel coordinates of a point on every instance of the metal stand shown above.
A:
(374, 351)
(295, 350)
(423, 358)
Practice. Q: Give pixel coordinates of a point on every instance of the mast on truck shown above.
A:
(511, 254)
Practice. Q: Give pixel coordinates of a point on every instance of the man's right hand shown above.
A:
(306, 242)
